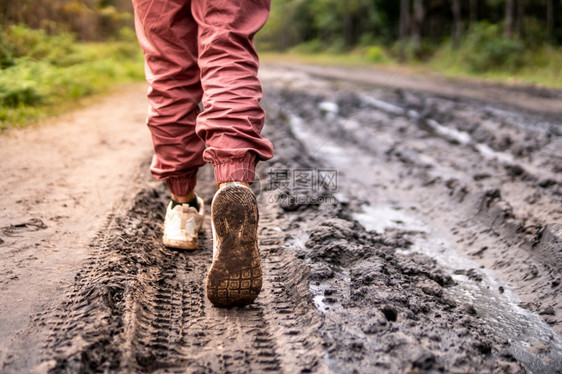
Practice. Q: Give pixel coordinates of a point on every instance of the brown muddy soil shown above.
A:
(400, 231)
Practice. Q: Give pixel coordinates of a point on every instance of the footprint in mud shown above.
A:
(34, 224)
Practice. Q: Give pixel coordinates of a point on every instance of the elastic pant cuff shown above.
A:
(181, 185)
(235, 171)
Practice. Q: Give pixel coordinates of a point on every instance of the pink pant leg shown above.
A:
(232, 118)
(167, 34)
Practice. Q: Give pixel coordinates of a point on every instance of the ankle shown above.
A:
(184, 198)
(193, 203)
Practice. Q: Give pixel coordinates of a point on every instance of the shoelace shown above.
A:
(185, 209)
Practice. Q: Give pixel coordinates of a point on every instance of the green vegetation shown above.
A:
(501, 60)
(548, 76)
(540, 67)
(42, 75)
(54, 53)
(88, 20)
(514, 40)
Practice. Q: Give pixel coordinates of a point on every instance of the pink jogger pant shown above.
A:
(202, 50)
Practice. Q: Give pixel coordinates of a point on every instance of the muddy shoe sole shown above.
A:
(178, 244)
(235, 277)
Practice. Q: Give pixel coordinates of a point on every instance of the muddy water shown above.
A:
(532, 341)
(524, 329)
(415, 263)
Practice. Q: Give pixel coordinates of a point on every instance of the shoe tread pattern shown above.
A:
(235, 277)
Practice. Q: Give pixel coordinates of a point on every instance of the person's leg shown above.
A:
(167, 34)
(232, 118)
(230, 125)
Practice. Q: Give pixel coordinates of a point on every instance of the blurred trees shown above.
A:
(88, 19)
(409, 27)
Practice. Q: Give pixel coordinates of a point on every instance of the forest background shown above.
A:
(55, 52)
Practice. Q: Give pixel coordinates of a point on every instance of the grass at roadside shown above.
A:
(44, 75)
(540, 67)
(326, 59)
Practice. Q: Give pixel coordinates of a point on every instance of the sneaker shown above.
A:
(183, 224)
(235, 277)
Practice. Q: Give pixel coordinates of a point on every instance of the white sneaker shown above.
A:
(235, 276)
(183, 224)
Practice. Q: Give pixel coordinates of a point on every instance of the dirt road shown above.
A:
(402, 230)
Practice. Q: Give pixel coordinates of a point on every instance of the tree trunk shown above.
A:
(404, 19)
(419, 15)
(550, 18)
(473, 9)
(457, 26)
(11, 11)
(347, 26)
(509, 18)
(520, 18)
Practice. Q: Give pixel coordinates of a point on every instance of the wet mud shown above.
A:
(436, 248)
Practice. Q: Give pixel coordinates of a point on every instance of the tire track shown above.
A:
(288, 296)
(138, 306)
(336, 297)
(492, 206)
(299, 108)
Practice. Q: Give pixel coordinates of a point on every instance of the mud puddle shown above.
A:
(398, 267)
(532, 341)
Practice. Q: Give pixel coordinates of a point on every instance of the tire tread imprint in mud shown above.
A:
(140, 307)
(295, 320)
(503, 206)
(390, 315)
